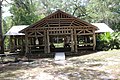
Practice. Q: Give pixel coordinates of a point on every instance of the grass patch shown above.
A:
(58, 45)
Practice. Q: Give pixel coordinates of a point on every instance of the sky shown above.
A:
(7, 12)
(5, 9)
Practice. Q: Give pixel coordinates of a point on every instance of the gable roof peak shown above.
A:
(58, 15)
(58, 10)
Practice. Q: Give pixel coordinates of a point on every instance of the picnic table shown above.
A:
(15, 55)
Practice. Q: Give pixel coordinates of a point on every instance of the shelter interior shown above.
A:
(58, 31)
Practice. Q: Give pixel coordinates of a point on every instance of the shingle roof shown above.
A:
(102, 28)
(15, 30)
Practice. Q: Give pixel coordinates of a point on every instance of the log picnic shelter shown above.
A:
(57, 31)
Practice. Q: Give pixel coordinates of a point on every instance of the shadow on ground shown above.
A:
(79, 66)
(51, 55)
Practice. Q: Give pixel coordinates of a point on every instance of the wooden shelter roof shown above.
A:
(14, 30)
(59, 19)
(102, 28)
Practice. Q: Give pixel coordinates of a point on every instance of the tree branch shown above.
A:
(7, 1)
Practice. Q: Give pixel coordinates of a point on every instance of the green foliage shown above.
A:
(73, 7)
(24, 12)
(108, 41)
(103, 41)
(107, 11)
(7, 23)
(115, 41)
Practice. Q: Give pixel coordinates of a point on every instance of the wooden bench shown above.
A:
(15, 55)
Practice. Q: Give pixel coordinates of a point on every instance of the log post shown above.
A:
(45, 42)
(26, 46)
(11, 44)
(21, 43)
(72, 41)
(94, 40)
(75, 38)
(48, 42)
(15, 42)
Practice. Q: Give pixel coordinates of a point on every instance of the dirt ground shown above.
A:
(103, 65)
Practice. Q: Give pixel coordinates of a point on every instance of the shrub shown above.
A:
(115, 41)
(106, 41)
(103, 41)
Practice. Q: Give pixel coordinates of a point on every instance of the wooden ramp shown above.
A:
(59, 58)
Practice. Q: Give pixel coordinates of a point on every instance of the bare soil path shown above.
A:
(103, 65)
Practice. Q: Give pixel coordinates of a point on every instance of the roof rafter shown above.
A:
(59, 19)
